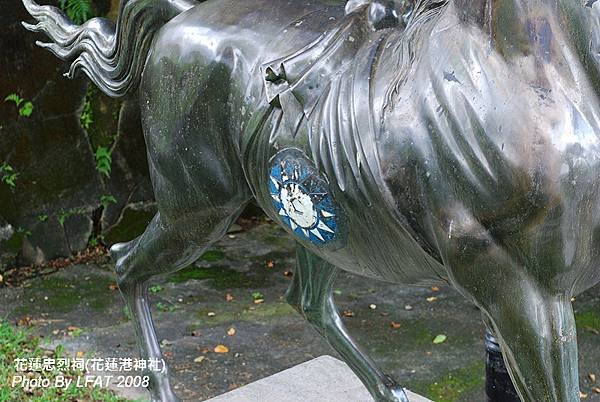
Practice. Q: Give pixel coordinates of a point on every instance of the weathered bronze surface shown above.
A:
(437, 142)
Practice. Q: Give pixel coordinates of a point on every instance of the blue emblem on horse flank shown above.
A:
(301, 198)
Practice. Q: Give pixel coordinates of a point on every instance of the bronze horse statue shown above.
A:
(425, 142)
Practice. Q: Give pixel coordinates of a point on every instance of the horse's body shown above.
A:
(464, 149)
(233, 52)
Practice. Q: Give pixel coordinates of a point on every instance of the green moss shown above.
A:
(453, 386)
(236, 313)
(280, 240)
(268, 310)
(587, 319)
(13, 244)
(64, 295)
(221, 277)
(212, 255)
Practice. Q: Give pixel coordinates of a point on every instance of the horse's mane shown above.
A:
(406, 49)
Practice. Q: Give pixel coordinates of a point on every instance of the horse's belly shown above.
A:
(342, 227)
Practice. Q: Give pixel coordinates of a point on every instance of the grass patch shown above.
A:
(17, 343)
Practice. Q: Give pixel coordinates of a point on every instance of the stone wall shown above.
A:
(56, 196)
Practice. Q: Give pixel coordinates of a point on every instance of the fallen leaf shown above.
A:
(596, 390)
(211, 314)
(270, 264)
(55, 332)
(231, 331)
(372, 306)
(440, 339)
(288, 273)
(592, 377)
(431, 299)
(348, 313)
(79, 354)
(228, 297)
(24, 321)
(435, 289)
(113, 286)
(199, 359)
(221, 349)
(582, 395)
(395, 325)
(168, 355)
(592, 330)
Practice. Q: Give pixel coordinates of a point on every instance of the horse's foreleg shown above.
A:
(311, 295)
(538, 338)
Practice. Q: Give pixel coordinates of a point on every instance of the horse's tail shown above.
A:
(111, 56)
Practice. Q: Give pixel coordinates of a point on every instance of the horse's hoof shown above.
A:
(392, 391)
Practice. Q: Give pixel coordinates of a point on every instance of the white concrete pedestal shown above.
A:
(324, 379)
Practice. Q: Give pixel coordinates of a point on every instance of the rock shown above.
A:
(131, 223)
(130, 181)
(56, 204)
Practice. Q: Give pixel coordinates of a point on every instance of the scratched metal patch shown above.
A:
(301, 197)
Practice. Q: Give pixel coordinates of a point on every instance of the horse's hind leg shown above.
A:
(311, 295)
(161, 249)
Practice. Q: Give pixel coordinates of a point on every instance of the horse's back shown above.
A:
(254, 29)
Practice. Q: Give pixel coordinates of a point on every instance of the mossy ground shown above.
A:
(62, 295)
(588, 318)
(453, 386)
(220, 274)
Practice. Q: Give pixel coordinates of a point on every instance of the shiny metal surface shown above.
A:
(449, 141)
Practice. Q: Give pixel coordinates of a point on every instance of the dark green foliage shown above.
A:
(25, 107)
(78, 11)
(87, 115)
(103, 160)
(106, 200)
(62, 217)
(8, 175)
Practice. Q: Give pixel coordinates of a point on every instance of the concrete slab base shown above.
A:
(324, 379)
